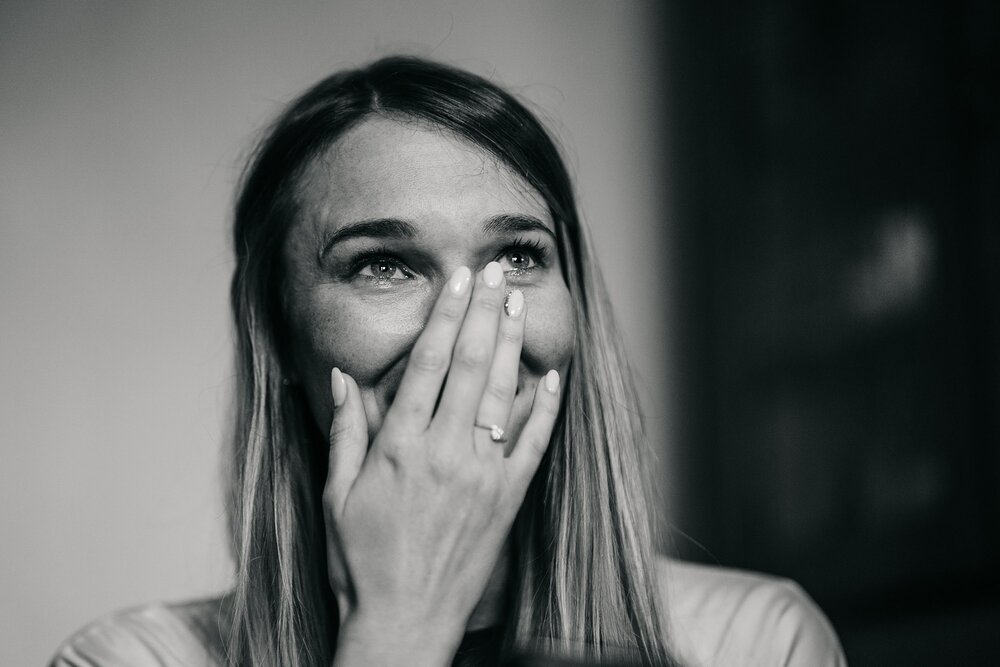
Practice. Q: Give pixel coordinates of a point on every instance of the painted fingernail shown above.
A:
(552, 381)
(459, 281)
(514, 303)
(493, 274)
(338, 386)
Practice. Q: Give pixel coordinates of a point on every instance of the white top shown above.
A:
(718, 617)
(721, 617)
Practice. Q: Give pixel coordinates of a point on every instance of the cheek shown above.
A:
(357, 339)
(550, 331)
(361, 338)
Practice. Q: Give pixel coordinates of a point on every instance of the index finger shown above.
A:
(430, 357)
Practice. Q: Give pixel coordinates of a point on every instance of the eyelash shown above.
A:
(369, 257)
(538, 251)
(533, 247)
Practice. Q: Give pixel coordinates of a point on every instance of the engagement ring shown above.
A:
(496, 433)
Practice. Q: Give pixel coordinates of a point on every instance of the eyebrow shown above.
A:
(396, 229)
(507, 223)
(382, 228)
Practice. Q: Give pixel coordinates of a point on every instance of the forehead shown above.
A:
(385, 168)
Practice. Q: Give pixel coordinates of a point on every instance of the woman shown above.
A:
(436, 448)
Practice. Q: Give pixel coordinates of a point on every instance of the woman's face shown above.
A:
(386, 215)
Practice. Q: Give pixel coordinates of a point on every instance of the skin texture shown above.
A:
(422, 502)
(446, 188)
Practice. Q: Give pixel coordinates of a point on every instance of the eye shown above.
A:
(383, 269)
(379, 268)
(518, 260)
(522, 256)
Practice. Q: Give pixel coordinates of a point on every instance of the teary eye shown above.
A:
(383, 269)
(380, 267)
(522, 256)
(519, 259)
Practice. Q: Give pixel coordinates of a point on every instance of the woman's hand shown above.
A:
(420, 517)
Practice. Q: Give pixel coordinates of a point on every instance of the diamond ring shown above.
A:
(496, 433)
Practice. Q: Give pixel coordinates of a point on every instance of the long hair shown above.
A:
(582, 572)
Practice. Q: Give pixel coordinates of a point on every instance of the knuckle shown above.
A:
(512, 335)
(487, 486)
(472, 480)
(451, 310)
(427, 358)
(341, 430)
(537, 445)
(472, 355)
(406, 407)
(487, 304)
(501, 390)
(392, 449)
(464, 477)
(443, 466)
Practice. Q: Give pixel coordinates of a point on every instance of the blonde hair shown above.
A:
(582, 574)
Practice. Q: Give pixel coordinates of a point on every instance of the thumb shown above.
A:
(348, 438)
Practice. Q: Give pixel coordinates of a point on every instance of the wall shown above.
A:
(121, 129)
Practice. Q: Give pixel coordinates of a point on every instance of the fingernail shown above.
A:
(514, 303)
(459, 281)
(552, 381)
(493, 274)
(338, 386)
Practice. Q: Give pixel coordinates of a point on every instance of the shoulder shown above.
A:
(719, 617)
(155, 634)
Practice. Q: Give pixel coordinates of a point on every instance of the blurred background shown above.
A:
(793, 205)
(836, 169)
